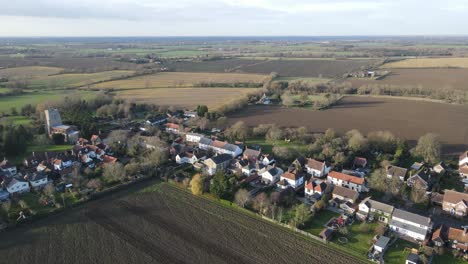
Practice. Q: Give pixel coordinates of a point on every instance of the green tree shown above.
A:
(219, 185)
(201, 110)
(301, 214)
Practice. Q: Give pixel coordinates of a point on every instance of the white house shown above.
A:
(267, 159)
(193, 137)
(189, 157)
(381, 211)
(219, 147)
(7, 168)
(38, 180)
(348, 181)
(271, 174)
(411, 225)
(318, 187)
(16, 185)
(291, 178)
(317, 168)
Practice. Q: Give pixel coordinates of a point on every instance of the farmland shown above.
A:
(288, 68)
(33, 98)
(30, 72)
(182, 79)
(76, 79)
(405, 118)
(429, 63)
(185, 97)
(423, 78)
(161, 225)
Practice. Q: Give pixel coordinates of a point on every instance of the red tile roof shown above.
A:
(455, 197)
(463, 169)
(346, 177)
(172, 125)
(218, 144)
(315, 164)
(109, 159)
(458, 234)
(463, 155)
(291, 175)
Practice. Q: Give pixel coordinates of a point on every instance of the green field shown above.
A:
(267, 146)
(18, 101)
(17, 120)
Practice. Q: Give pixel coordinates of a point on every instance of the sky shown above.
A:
(232, 17)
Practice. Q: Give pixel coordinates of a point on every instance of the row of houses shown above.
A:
(42, 168)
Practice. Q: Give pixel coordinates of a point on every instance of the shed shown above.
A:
(381, 244)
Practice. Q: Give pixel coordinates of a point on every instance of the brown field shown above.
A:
(425, 78)
(405, 118)
(162, 225)
(23, 73)
(185, 97)
(76, 79)
(286, 68)
(429, 63)
(79, 64)
(181, 79)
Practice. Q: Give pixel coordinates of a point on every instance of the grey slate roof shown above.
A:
(396, 171)
(382, 242)
(205, 141)
(221, 158)
(230, 147)
(415, 218)
(37, 176)
(412, 228)
(380, 206)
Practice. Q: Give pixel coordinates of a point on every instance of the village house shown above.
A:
(156, 121)
(458, 238)
(348, 181)
(249, 167)
(455, 203)
(292, 178)
(219, 147)
(252, 154)
(173, 128)
(344, 198)
(270, 174)
(381, 245)
(15, 185)
(395, 171)
(413, 258)
(189, 157)
(217, 163)
(190, 114)
(439, 237)
(344, 194)
(371, 209)
(316, 188)
(193, 137)
(316, 168)
(423, 179)
(411, 225)
(463, 171)
(37, 180)
(7, 168)
(267, 159)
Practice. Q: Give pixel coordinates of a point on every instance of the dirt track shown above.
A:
(169, 226)
(405, 118)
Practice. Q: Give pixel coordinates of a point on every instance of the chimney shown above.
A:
(34, 155)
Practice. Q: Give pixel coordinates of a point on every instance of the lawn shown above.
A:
(447, 258)
(358, 241)
(397, 254)
(49, 148)
(315, 224)
(16, 120)
(267, 146)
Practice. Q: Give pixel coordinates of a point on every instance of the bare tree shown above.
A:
(114, 172)
(242, 197)
(428, 147)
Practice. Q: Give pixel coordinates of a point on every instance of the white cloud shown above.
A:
(232, 17)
